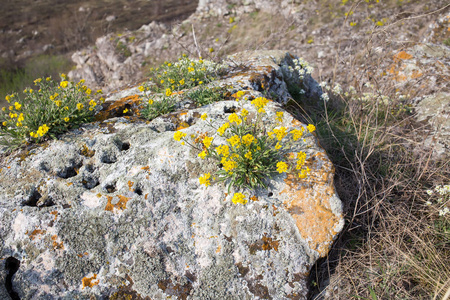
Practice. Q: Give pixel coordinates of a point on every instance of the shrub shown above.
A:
(52, 108)
(251, 154)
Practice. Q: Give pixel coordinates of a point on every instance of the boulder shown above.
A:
(114, 209)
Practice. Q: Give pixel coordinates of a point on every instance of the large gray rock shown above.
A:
(115, 209)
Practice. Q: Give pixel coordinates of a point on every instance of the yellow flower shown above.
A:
(169, 64)
(301, 157)
(141, 88)
(58, 103)
(222, 128)
(162, 81)
(31, 91)
(88, 91)
(48, 78)
(244, 112)
(203, 117)
(279, 117)
(12, 115)
(66, 107)
(4, 123)
(32, 134)
(311, 127)
(182, 81)
(248, 155)
(191, 69)
(303, 173)
(248, 139)
(64, 84)
(18, 124)
(296, 134)
(239, 198)
(99, 92)
(277, 146)
(42, 130)
(234, 141)
(63, 75)
(260, 103)
(211, 50)
(223, 150)
(281, 167)
(92, 103)
(37, 81)
(205, 179)
(25, 91)
(125, 110)
(168, 92)
(80, 106)
(8, 98)
(20, 118)
(11, 108)
(280, 132)
(207, 141)
(17, 105)
(4, 108)
(150, 102)
(202, 154)
(178, 135)
(234, 118)
(66, 119)
(229, 165)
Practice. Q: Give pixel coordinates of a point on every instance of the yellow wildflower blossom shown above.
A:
(303, 173)
(311, 127)
(37, 81)
(8, 98)
(48, 78)
(301, 157)
(234, 118)
(17, 105)
(3, 108)
(80, 106)
(92, 103)
(168, 92)
(88, 91)
(260, 102)
(239, 198)
(281, 167)
(203, 117)
(207, 141)
(182, 82)
(20, 118)
(66, 107)
(296, 134)
(63, 75)
(279, 117)
(205, 179)
(125, 110)
(63, 84)
(202, 154)
(277, 146)
(229, 165)
(66, 119)
(280, 132)
(4, 123)
(58, 103)
(141, 88)
(178, 135)
(223, 150)
(191, 69)
(244, 112)
(150, 102)
(248, 155)
(248, 139)
(162, 81)
(223, 128)
(240, 94)
(234, 141)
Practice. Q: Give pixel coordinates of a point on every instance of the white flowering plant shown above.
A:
(440, 196)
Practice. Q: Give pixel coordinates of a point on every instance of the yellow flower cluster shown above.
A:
(40, 132)
(260, 103)
(207, 141)
(234, 118)
(239, 198)
(178, 135)
(223, 128)
(205, 179)
(282, 167)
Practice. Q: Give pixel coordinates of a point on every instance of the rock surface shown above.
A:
(114, 209)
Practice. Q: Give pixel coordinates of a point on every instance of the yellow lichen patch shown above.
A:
(130, 185)
(55, 244)
(309, 203)
(121, 204)
(254, 198)
(89, 281)
(69, 183)
(218, 249)
(85, 151)
(182, 125)
(402, 55)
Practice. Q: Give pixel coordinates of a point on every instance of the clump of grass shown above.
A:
(206, 95)
(53, 107)
(251, 154)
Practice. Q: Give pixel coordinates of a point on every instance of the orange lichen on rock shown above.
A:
(182, 125)
(89, 281)
(54, 213)
(402, 55)
(309, 203)
(130, 185)
(116, 108)
(121, 204)
(35, 232)
(55, 244)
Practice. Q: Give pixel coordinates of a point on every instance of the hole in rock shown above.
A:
(11, 266)
(125, 146)
(138, 191)
(229, 110)
(69, 171)
(89, 168)
(33, 199)
(108, 158)
(270, 194)
(89, 181)
(110, 188)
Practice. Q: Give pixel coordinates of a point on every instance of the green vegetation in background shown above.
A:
(17, 79)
